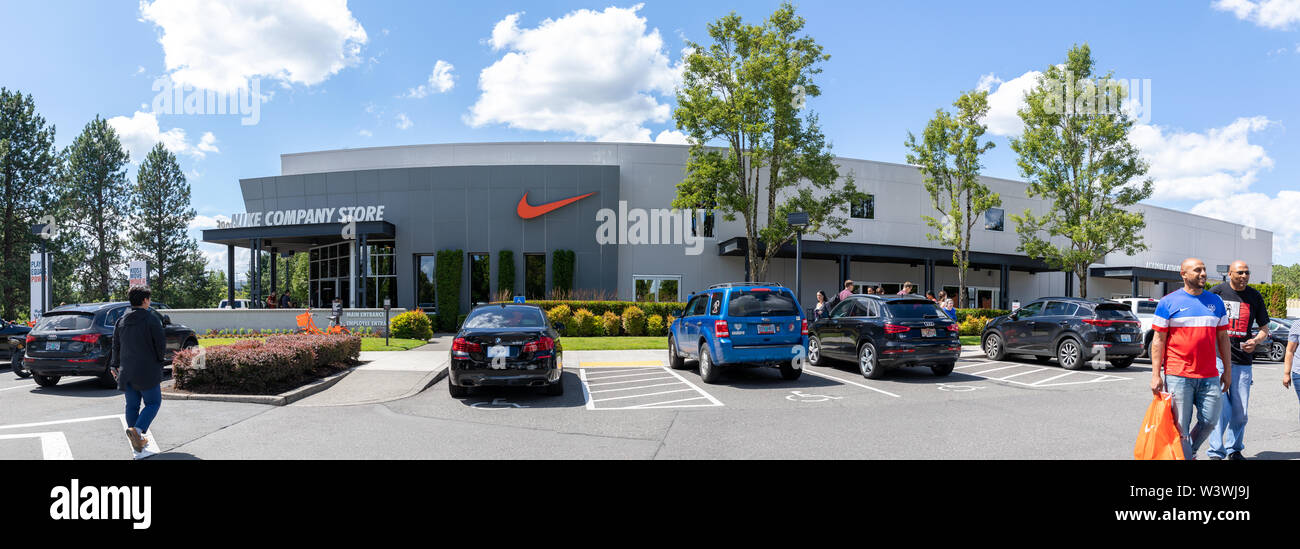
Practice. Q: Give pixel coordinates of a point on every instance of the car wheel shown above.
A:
(675, 360)
(456, 390)
(814, 351)
(46, 381)
(17, 365)
(1069, 354)
(993, 347)
(1277, 352)
(1121, 362)
(789, 372)
(868, 362)
(709, 372)
(943, 368)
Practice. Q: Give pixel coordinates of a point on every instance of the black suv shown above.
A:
(77, 340)
(1070, 329)
(881, 332)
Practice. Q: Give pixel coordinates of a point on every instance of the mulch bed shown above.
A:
(318, 373)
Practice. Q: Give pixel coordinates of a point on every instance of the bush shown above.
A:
(654, 325)
(561, 314)
(506, 272)
(450, 268)
(411, 325)
(258, 367)
(611, 322)
(562, 268)
(617, 307)
(973, 325)
(634, 321)
(962, 314)
(584, 324)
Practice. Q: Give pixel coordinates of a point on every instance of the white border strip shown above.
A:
(819, 374)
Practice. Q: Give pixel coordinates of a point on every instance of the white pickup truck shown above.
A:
(1145, 309)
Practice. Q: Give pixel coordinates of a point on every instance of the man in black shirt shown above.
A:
(1246, 308)
(139, 348)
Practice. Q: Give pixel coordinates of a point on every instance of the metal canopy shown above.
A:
(887, 253)
(1140, 273)
(296, 238)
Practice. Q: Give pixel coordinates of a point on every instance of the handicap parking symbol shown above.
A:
(958, 388)
(496, 404)
(800, 396)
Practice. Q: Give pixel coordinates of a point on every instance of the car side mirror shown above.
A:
(678, 313)
(166, 320)
(559, 326)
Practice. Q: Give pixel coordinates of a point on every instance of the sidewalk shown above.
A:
(387, 375)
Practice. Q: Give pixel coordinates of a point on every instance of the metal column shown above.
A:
(1136, 286)
(1069, 284)
(254, 272)
(929, 277)
(363, 272)
(1004, 287)
(274, 259)
(230, 275)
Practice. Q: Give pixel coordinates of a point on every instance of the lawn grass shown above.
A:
(367, 343)
(623, 343)
(970, 340)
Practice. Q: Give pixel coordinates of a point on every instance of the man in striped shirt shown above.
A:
(1191, 334)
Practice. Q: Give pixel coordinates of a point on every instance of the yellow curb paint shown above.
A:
(586, 364)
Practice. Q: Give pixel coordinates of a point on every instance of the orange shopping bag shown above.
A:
(1159, 438)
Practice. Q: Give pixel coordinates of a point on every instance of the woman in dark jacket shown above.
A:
(821, 310)
(139, 349)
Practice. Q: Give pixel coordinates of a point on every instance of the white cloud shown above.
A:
(593, 74)
(219, 45)
(1271, 14)
(207, 222)
(140, 133)
(403, 122)
(441, 80)
(673, 137)
(1006, 100)
(1190, 165)
(365, 133)
(1258, 210)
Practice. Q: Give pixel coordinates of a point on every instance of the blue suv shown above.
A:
(755, 323)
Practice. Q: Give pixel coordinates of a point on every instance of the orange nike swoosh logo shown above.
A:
(529, 212)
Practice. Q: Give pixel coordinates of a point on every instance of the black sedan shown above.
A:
(13, 338)
(1275, 349)
(1072, 330)
(506, 345)
(77, 340)
(880, 332)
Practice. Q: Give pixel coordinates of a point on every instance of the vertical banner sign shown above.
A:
(139, 273)
(38, 283)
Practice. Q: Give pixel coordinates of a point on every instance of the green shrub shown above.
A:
(634, 321)
(410, 325)
(561, 314)
(611, 323)
(460, 321)
(450, 269)
(262, 367)
(584, 324)
(973, 325)
(654, 325)
(963, 314)
(601, 307)
(506, 271)
(562, 268)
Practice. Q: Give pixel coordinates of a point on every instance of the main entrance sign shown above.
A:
(529, 212)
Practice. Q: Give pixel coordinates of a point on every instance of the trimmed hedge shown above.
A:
(584, 324)
(611, 323)
(1274, 296)
(262, 367)
(506, 271)
(562, 268)
(655, 326)
(973, 326)
(450, 267)
(634, 321)
(963, 314)
(411, 325)
(617, 307)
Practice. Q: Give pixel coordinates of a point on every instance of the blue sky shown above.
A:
(1223, 79)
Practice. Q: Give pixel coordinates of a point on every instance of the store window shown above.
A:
(994, 219)
(535, 276)
(426, 296)
(708, 224)
(480, 271)
(864, 209)
(658, 289)
(330, 274)
(381, 281)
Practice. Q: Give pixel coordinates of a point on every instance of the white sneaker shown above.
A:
(145, 453)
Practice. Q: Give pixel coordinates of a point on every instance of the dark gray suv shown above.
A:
(1074, 331)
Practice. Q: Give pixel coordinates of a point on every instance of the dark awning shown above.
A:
(296, 238)
(887, 253)
(1142, 273)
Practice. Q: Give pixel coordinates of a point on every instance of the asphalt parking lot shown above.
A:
(629, 404)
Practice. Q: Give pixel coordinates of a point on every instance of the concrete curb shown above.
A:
(282, 399)
(424, 383)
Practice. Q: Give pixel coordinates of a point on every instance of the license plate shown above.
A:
(927, 332)
(51, 345)
(766, 329)
(498, 351)
(1126, 338)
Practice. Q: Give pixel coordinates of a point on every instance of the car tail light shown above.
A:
(87, 338)
(896, 329)
(461, 347)
(720, 329)
(31, 339)
(1107, 323)
(805, 326)
(953, 328)
(543, 344)
(760, 290)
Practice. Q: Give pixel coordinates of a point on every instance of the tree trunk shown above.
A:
(1083, 283)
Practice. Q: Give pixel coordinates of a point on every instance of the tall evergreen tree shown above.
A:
(159, 234)
(96, 206)
(28, 170)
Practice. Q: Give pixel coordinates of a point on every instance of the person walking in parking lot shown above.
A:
(848, 289)
(1245, 308)
(1191, 330)
(1290, 376)
(820, 310)
(139, 348)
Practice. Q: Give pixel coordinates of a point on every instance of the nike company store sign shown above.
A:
(307, 216)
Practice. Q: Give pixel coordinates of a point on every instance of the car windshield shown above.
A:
(914, 309)
(1147, 307)
(506, 317)
(761, 303)
(64, 322)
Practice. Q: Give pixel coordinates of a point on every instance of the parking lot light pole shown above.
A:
(798, 220)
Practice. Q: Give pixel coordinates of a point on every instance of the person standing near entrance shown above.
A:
(336, 311)
(848, 290)
(907, 289)
(139, 348)
(1291, 376)
(1246, 308)
(1191, 331)
(284, 301)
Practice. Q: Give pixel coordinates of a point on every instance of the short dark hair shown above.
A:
(137, 295)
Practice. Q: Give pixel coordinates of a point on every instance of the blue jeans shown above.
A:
(152, 401)
(1230, 433)
(1204, 395)
(1295, 382)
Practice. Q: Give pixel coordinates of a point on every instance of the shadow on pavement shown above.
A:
(746, 377)
(1277, 455)
(523, 397)
(173, 456)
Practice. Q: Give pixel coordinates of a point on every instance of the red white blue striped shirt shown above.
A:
(1193, 323)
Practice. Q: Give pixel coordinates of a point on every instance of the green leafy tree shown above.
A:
(745, 92)
(299, 285)
(506, 272)
(949, 157)
(96, 200)
(1289, 276)
(1085, 165)
(28, 172)
(159, 231)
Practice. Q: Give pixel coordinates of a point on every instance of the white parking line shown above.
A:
(819, 374)
(638, 396)
(653, 404)
(54, 446)
(639, 384)
(1020, 374)
(58, 452)
(628, 381)
(637, 387)
(18, 387)
(626, 375)
(996, 369)
(1040, 382)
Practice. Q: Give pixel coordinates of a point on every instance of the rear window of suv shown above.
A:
(1113, 312)
(761, 303)
(64, 322)
(914, 309)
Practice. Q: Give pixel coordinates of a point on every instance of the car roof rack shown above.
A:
(743, 284)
